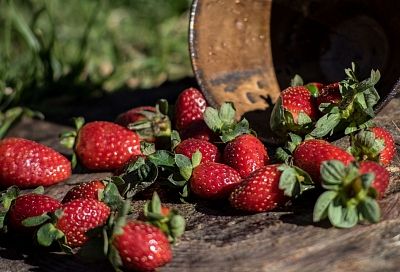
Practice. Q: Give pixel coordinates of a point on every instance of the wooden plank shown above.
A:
(220, 239)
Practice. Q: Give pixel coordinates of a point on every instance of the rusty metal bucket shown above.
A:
(245, 51)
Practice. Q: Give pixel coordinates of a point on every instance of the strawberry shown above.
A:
(134, 115)
(188, 147)
(27, 164)
(351, 192)
(260, 191)
(294, 111)
(70, 223)
(151, 123)
(381, 180)
(376, 144)
(102, 146)
(189, 108)
(310, 154)
(329, 94)
(141, 246)
(79, 216)
(30, 205)
(246, 154)
(213, 180)
(89, 190)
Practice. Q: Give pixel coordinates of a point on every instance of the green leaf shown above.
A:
(370, 210)
(332, 172)
(212, 119)
(325, 125)
(288, 182)
(79, 122)
(185, 166)
(176, 183)
(8, 196)
(177, 226)
(322, 204)
(196, 158)
(341, 216)
(367, 180)
(47, 234)
(297, 80)
(281, 155)
(147, 148)
(175, 139)
(35, 220)
(277, 121)
(2, 219)
(162, 106)
(227, 114)
(240, 128)
(111, 196)
(38, 190)
(162, 158)
(303, 119)
(313, 89)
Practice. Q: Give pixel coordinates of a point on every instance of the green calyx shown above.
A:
(284, 154)
(223, 122)
(68, 138)
(294, 181)
(349, 196)
(282, 121)
(155, 124)
(172, 224)
(365, 146)
(355, 111)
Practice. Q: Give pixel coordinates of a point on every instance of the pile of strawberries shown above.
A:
(211, 155)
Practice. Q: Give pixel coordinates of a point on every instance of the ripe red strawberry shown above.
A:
(329, 94)
(30, 205)
(80, 216)
(298, 99)
(142, 247)
(310, 154)
(260, 191)
(213, 180)
(382, 176)
(189, 108)
(133, 115)
(188, 147)
(293, 103)
(245, 154)
(89, 190)
(27, 164)
(105, 146)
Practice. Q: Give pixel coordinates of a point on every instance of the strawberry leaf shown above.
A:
(322, 204)
(297, 80)
(293, 180)
(367, 180)
(370, 210)
(227, 114)
(47, 234)
(8, 196)
(342, 216)
(175, 139)
(240, 128)
(212, 119)
(277, 122)
(38, 190)
(185, 166)
(35, 220)
(303, 119)
(325, 125)
(162, 158)
(196, 158)
(313, 90)
(147, 148)
(332, 173)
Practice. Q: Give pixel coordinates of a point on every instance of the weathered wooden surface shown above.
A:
(219, 239)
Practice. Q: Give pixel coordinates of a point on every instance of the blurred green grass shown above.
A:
(54, 48)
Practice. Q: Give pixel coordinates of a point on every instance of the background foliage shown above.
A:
(54, 48)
